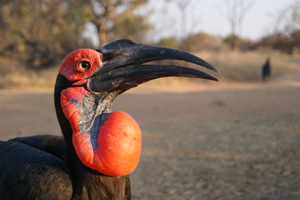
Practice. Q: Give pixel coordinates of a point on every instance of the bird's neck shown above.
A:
(85, 114)
(91, 107)
(86, 181)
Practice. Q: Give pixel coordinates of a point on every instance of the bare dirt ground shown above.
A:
(200, 141)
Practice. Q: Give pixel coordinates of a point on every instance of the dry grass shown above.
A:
(246, 66)
(29, 79)
(233, 67)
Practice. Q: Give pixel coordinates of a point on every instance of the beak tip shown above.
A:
(214, 79)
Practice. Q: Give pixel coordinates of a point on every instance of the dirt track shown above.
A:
(216, 141)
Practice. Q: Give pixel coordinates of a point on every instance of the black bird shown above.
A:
(266, 70)
(99, 148)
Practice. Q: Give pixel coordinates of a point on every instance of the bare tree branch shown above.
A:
(288, 19)
(235, 11)
(104, 20)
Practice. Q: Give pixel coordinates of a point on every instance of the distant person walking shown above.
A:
(266, 70)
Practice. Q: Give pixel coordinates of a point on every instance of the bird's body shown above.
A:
(38, 172)
(266, 70)
(29, 173)
(99, 147)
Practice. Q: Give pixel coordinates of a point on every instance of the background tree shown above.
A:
(287, 20)
(203, 41)
(168, 42)
(286, 33)
(39, 33)
(182, 33)
(134, 27)
(187, 21)
(235, 11)
(104, 14)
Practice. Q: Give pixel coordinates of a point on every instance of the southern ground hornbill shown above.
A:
(99, 147)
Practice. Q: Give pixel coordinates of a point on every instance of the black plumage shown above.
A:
(30, 173)
(266, 70)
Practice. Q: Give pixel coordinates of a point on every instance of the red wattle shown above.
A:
(119, 139)
(119, 146)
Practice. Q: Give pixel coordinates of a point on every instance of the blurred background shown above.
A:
(236, 36)
(235, 139)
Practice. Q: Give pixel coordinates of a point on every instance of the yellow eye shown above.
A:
(83, 66)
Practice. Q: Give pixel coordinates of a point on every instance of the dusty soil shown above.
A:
(200, 141)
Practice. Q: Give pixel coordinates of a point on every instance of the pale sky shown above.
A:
(259, 19)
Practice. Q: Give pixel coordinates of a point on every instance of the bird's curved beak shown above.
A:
(123, 66)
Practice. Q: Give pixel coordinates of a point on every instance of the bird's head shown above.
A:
(89, 81)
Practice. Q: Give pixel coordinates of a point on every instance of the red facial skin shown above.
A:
(70, 66)
(119, 139)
